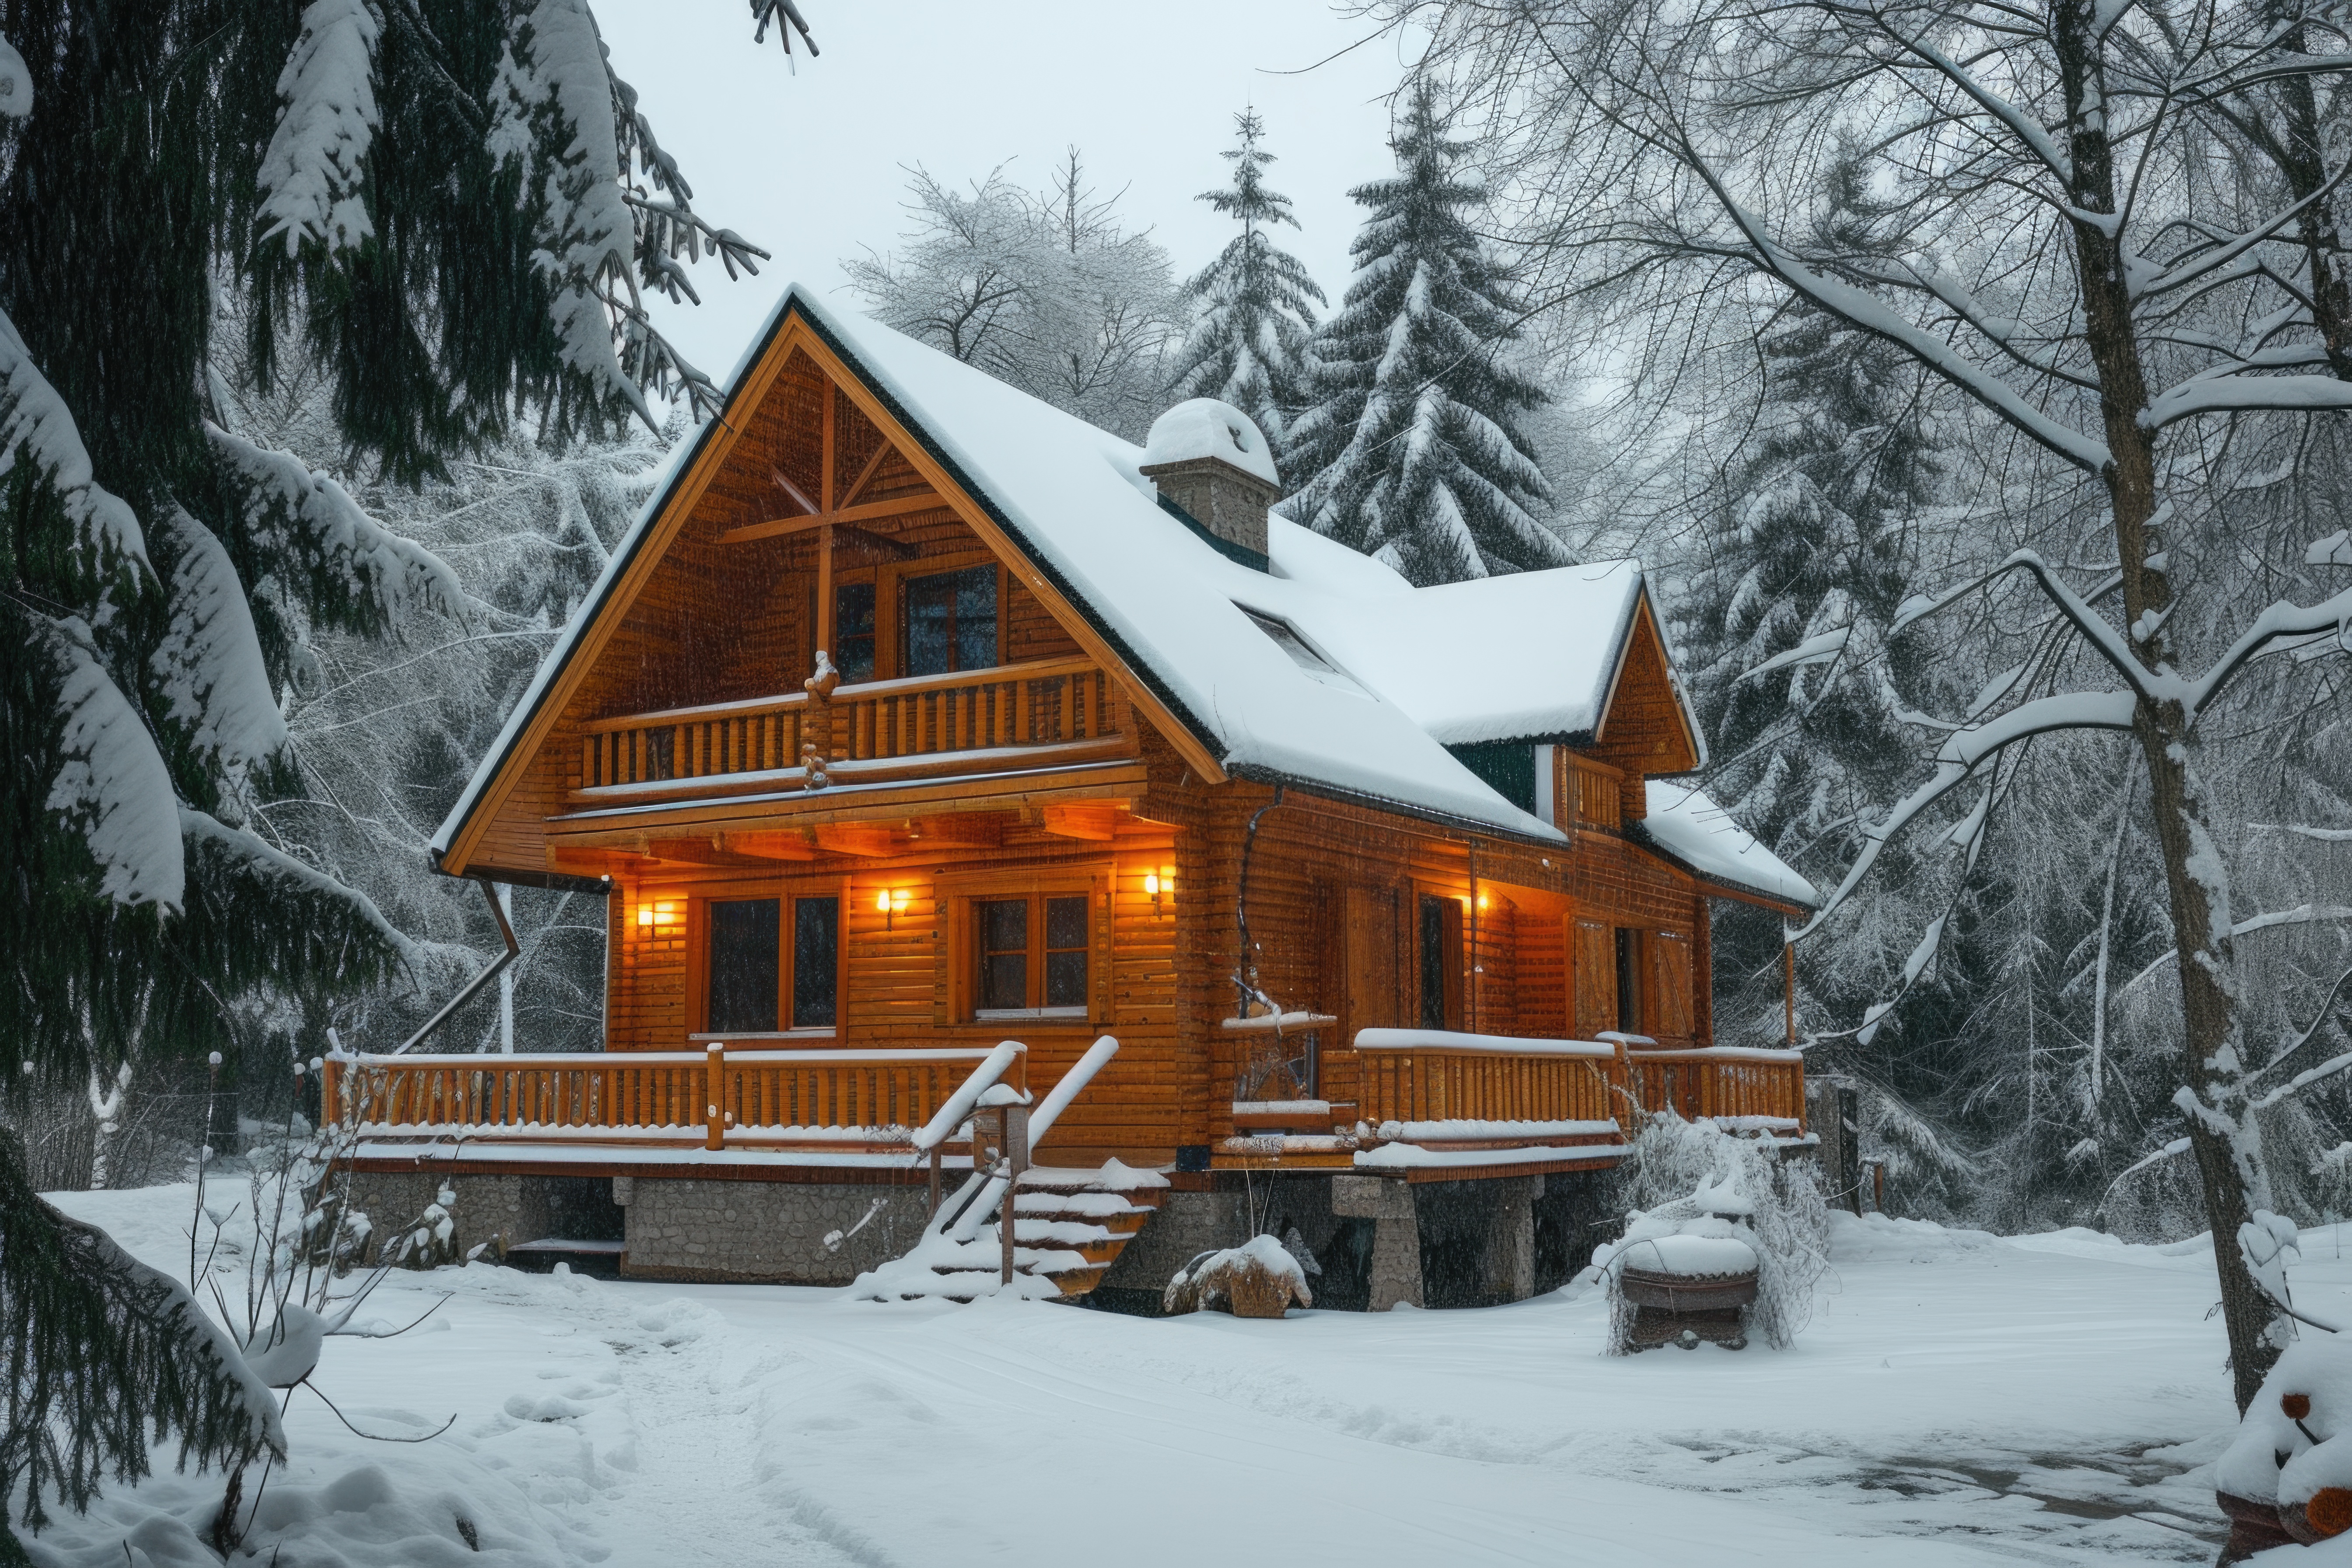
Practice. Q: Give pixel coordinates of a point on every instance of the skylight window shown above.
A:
(1302, 653)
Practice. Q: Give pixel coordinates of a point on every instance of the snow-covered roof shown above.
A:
(1381, 677)
(1693, 829)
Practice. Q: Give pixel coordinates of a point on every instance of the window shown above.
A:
(755, 980)
(817, 949)
(1440, 961)
(1302, 654)
(745, 962)
(1033, 957)
(950, 622)
(1629, 981)
(852, 631)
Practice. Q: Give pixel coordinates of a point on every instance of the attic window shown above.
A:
(1301, 652)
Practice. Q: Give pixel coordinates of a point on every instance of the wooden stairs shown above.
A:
(1069, 1226)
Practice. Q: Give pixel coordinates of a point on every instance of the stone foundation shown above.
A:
(768, 1232)
(500, 1211)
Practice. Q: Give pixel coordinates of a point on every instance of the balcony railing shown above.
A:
(876, 729)
(1756, 1090)
(720, 1099)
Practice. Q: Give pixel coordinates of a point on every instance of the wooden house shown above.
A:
(914, 715)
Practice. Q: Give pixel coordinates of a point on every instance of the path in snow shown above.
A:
(1957, 1399)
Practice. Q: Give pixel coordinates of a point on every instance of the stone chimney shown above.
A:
(1208, 459)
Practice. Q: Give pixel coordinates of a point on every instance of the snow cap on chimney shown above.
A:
(1211, 461)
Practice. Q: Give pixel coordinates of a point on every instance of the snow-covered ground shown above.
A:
(1957, 1399)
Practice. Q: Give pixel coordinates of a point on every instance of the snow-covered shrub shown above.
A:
(1259, 1278)
(1693, 1179)
(431, 1241)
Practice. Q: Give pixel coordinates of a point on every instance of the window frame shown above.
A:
(959, 954)
(788, 891)
(889, 579)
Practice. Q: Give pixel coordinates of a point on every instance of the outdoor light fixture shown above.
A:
(1158, 883)
(664, 913)
(890, 902)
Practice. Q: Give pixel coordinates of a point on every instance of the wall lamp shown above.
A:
(662, 913)
(890, 902)
(1156, 883)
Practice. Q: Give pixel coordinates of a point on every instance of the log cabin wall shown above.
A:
(1333, 907)
(895, 969)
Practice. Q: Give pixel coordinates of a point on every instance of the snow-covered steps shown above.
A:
(1068, 1227)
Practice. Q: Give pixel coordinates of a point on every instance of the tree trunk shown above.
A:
(2228, 1147)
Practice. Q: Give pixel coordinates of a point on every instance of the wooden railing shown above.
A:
(832, 1099)
(692, 742)
(1046, 702)
(1038, 704)
(1410, 1076)
(1724, 1081)
(1421, 1077)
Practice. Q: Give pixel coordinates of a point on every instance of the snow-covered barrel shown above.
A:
(1692, 1284)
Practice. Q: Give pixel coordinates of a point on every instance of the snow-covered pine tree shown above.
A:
(450, 209)
(1409, 449)
(1255, 303)
(1783, 625)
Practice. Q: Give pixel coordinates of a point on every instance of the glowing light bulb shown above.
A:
(644, 914)
(882, 901)
(1151, 883)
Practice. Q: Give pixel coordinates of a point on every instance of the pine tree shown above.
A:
(450, 210)
(1410, 449)
(1248, 343)
(1782, 630)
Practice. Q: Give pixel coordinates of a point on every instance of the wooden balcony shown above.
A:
(827, 1102)
(1049, 712)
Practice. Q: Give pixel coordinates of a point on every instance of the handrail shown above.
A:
(959, 1105)
(1452, 1042)
(899, 686)
(961, 1214)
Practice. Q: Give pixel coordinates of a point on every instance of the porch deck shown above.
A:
(1436, 1106)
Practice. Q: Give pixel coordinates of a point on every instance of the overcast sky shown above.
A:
(811, 166)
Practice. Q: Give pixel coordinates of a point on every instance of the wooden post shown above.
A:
(935, 1181)
(1788, 987)
(1015, 1122)
(825, 626)
(714, 1077)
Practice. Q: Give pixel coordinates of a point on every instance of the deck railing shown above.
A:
(1766, 1089)
(1510, 1087)
(1419, 1076)
(1045, 703)
(832, 1099)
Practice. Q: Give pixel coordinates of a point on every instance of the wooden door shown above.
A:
(1667, 1008)
(1365, 949)
(1592, 980)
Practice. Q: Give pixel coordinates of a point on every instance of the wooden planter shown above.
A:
(1668, 1306)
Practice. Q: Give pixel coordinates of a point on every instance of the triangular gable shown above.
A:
(730, 476)
(1646, 726)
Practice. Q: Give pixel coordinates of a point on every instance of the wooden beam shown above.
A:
(1095, 820)
(793, 844)
(696, 852)
(963, 830)
(867, 539)
(824, 450)
(873, 840)
(870, 512)
(792, 492)
(824, 592)
(865, 475)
